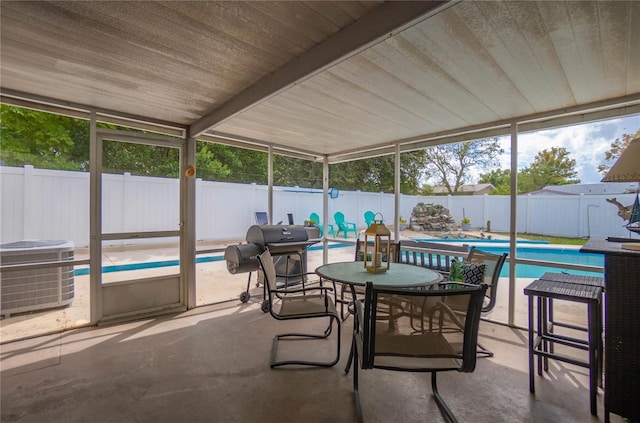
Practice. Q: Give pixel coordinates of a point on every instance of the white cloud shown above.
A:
(586, 143)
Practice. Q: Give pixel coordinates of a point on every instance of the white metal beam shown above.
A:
(624, 106)
(83, 111)
(258, 145)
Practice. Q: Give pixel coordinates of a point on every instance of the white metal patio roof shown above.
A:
(342, 79)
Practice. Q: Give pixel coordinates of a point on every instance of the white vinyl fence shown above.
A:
(51, 204)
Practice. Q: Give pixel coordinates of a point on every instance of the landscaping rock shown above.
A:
(431, 217)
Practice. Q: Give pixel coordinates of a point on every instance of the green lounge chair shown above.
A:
(316, 218)
(369, 217)
(344, 226)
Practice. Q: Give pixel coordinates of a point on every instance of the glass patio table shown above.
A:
(399, 275)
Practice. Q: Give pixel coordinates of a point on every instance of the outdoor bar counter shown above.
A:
(622, 327)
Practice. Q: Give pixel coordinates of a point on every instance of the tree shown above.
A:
(450, 165)
(290, 171)
(140, 159)
(43, 140)
(217, 162)
(500, 179)
(617, 147)
(377, 174)
(549, 167)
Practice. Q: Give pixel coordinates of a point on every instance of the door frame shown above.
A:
(150, 296)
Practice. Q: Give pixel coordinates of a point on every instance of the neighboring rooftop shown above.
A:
(476, 189)
(599, 188)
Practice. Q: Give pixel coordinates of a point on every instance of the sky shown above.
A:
(586, 143)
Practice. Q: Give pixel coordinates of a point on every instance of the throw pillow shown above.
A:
(473, 273)
(470, 273)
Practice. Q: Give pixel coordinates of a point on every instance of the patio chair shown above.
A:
(447, 342)
(344, 226)
(492, 266)
(300, 303)
(316, 218)
(261, 218)
(369, 217)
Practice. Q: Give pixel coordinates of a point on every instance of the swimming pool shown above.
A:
(535, 250)
(478, 240)
(544, 252)
(167, 263)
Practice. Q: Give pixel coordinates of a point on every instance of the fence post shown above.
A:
(128, 200)
(485, 205)
(580, 219)
(199, 209)
(527, 221)
(29, 230)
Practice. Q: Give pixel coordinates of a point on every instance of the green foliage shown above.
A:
(292, 172)
(449, 165)
(550, 239)
(426, 190)
(140, 160)
(500, 179)
(617, 147)
(376, 174)
(43, 140)
(216, 162)
(208, 167)
(549, 167)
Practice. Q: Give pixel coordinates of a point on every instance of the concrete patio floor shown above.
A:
(211, 364)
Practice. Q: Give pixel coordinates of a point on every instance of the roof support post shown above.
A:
(512, 223)
(188, 223)
(270, 185)
(95, 223)
(325, 208)
(396, 213)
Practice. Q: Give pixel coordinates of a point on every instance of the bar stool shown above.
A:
(541, 345)
(580, 280)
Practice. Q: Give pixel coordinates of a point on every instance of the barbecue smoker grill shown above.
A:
(288, 246)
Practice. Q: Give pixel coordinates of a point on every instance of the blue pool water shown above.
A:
(478, 241)
(528, 251)
(165, 263)
(560, 255)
